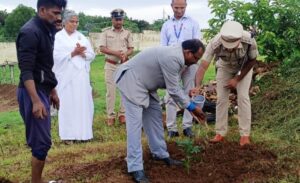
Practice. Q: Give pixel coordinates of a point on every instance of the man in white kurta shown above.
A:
(76, 103)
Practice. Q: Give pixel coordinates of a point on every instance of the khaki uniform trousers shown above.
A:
(111, 91)
(244, 105)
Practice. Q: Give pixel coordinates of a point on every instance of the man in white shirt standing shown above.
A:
(174, 31)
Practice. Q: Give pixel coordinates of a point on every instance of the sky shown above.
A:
(148, 10)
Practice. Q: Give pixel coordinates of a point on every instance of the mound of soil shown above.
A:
(8, 98)
(226, 162)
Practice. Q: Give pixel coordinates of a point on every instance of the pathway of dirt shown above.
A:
(220, 163)
(8, 98)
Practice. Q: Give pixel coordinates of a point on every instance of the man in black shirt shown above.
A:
(36, 90)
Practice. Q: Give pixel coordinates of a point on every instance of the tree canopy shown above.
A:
(16, 19)
(276, 23)
(3, 15)
(10, 23)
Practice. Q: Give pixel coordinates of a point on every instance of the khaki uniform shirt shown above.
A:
(117, 41)
(231, 60)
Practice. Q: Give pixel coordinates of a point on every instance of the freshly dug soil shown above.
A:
(221, 163)
(3, 180)
(8, 97)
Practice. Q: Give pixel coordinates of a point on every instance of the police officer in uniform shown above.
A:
(236, 52)
(117, 44)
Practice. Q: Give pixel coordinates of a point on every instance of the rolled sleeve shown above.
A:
(208, 54)
(27, 46)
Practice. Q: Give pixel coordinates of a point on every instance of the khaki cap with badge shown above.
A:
(231, 34)
(117, 14)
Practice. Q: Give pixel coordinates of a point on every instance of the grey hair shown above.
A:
(68, 14)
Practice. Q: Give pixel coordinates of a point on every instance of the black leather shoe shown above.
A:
(188, 133)
(139, 176)
(168, 161)
(172, 134)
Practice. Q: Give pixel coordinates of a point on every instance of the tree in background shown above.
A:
(157, 24)
(93, 23)
(3, 15)
(16, 19)
(276, 23)
(142, 25)
(10, 23)
(97, 23)
(131, 25)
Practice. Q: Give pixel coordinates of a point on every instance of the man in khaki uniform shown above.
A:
(236, 54)
(117, 44)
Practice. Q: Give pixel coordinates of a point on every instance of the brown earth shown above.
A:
(221, 163)
(3, 180)
(8, 98)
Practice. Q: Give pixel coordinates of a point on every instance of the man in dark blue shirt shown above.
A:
(36, 90)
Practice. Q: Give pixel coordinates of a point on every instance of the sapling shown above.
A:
(189, 149)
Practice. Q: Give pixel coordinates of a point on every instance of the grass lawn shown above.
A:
(14, 154)
(110, 142)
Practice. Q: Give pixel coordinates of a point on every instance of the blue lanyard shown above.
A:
(175, 31)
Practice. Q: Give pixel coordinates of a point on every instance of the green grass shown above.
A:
(276, 124)
(277, 118)
(98, 84)
(5, 75)
(15, 156)
(210, 74)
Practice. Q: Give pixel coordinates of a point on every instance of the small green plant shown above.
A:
(189, 149)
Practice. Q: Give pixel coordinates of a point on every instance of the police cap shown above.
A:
(231, 34)
(118, 13)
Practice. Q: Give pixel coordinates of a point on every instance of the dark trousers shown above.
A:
(38, 134)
